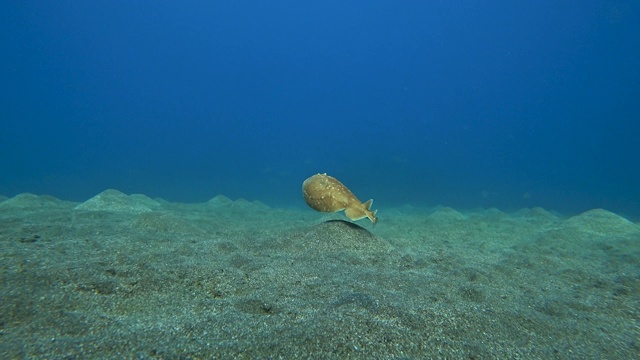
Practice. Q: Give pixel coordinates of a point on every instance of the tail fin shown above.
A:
(371, 214)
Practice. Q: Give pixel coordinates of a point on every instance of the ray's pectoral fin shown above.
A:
(354, 213)
(360, 211)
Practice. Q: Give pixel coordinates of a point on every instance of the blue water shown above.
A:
(461, 103)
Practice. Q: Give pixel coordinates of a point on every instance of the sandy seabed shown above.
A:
(127, 276)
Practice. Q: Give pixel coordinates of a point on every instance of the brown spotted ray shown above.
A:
(327, 194)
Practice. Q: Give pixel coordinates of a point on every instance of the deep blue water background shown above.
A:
(461, 103)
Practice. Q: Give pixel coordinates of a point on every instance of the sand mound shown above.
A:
(27, 200)
(145, 200)
(445, 215)
(535, 212)
(493, 213)
(335, 235)
(600, 222)
(220, 201)
(116, 201)
(242, 204)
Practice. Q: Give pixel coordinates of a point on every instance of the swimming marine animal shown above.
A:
(327, 194)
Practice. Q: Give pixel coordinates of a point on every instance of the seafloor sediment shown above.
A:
(132, 277)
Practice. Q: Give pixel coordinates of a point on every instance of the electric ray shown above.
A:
(327, 194)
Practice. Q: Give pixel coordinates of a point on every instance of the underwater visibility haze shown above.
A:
(457, 103)
(153, 156)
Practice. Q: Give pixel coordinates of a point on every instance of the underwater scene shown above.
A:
(320, 180)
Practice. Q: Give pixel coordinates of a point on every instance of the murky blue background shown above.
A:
(461, 103)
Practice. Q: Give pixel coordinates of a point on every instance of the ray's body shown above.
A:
(327, 194)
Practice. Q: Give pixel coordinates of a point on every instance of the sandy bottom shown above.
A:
(126, 276)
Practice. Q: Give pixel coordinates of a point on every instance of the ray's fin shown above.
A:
(354, 213)
(368, 204)
(370, 214)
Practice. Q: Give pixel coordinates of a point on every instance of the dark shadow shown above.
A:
(348, 224)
